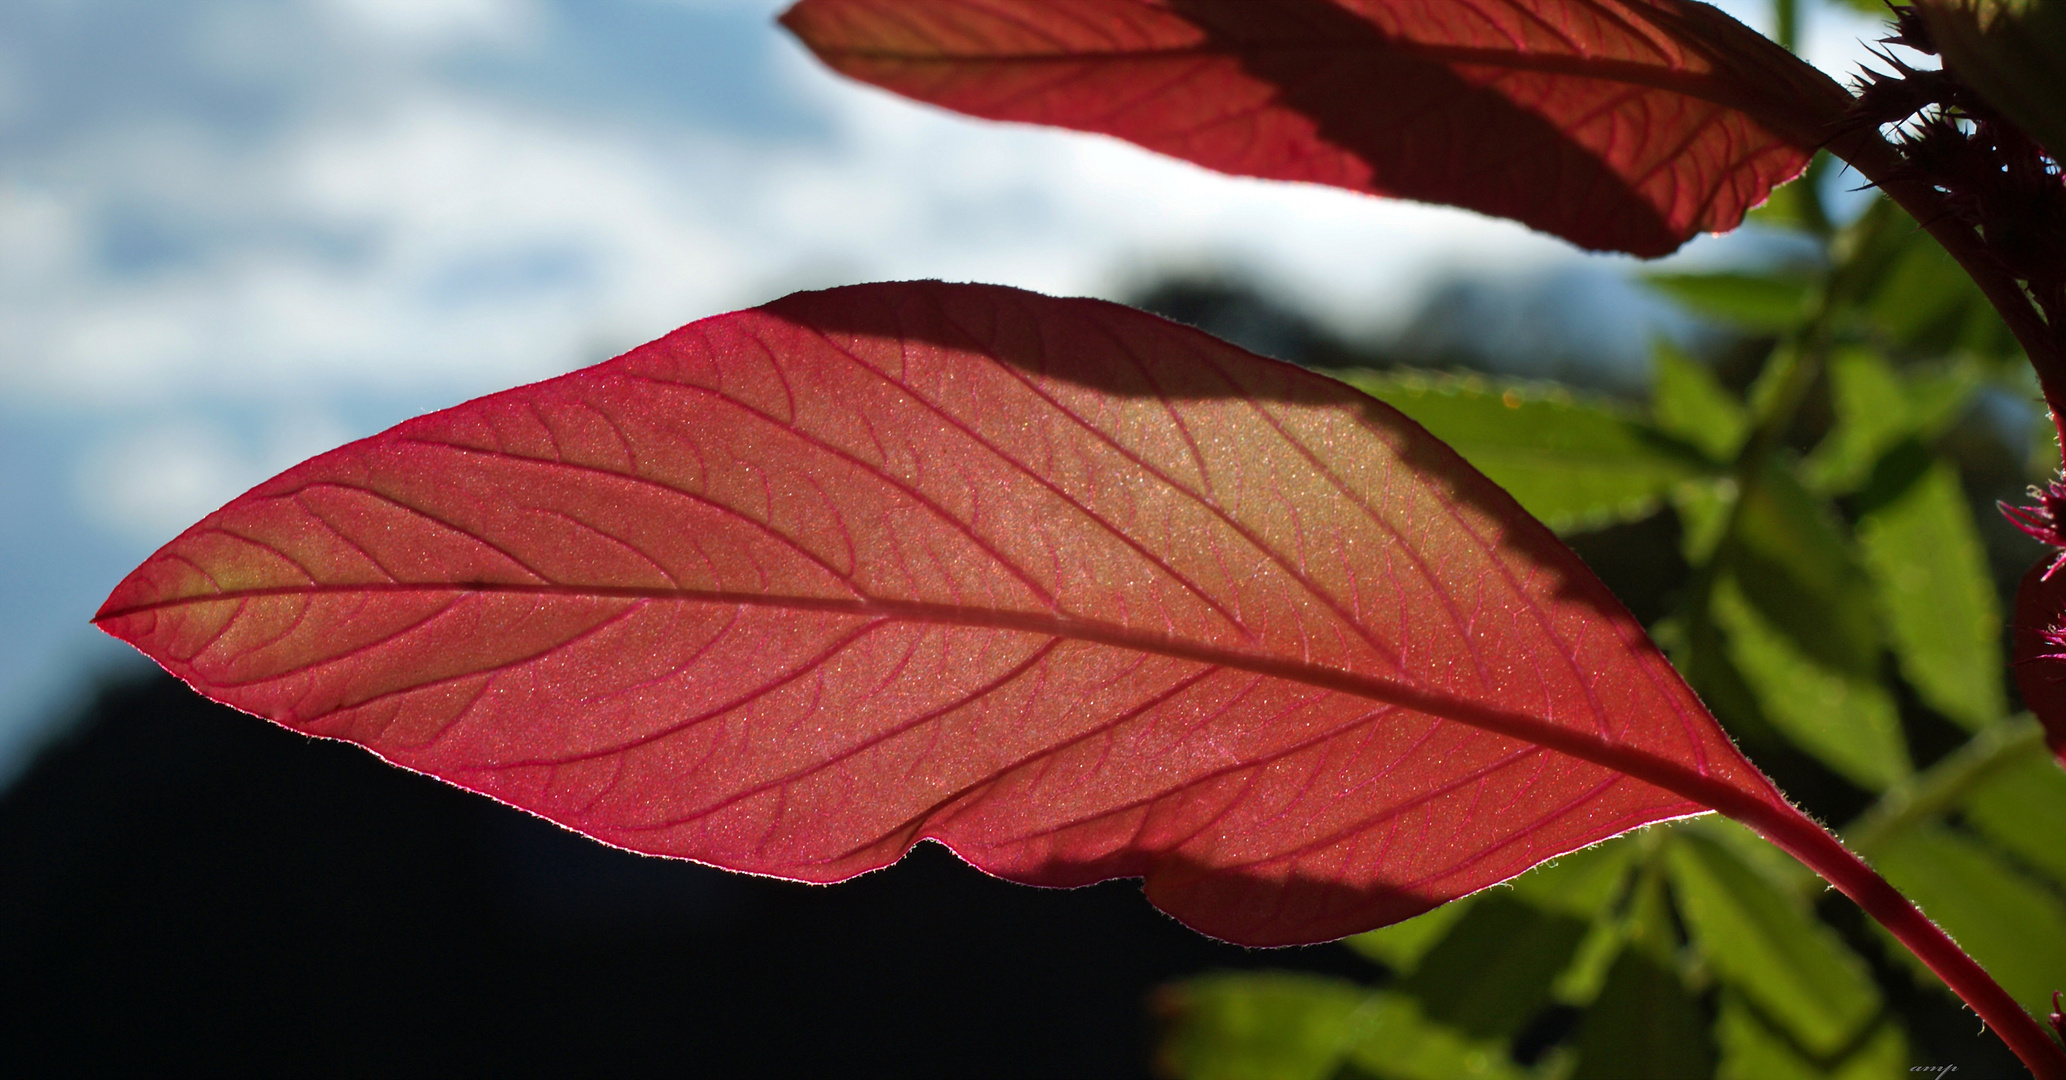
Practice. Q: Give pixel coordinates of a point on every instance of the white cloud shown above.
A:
(150, 483)
(432, 24)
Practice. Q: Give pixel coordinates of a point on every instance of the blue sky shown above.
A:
(234, 234)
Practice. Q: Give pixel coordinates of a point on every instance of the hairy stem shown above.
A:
(1821, 852)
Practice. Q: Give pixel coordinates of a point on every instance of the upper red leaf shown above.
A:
(1623, 125)
(1076, 591)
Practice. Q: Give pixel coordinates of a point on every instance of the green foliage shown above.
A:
(1839, 611)
(1572, 462)
(2013, 925)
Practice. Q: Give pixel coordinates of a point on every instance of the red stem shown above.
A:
(1813, 845)
(1881, 164)
(1806, 102)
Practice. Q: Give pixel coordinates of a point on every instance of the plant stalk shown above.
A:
(1823, 853)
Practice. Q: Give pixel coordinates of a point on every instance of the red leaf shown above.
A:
(1074, 590)
(2039, 647)
(1625, 125)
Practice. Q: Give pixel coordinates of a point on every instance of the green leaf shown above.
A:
(1930, 568)
(1871, 415)
(1573, 463)
(1579, 884)
(1771, 302)
(1925, 302)
(1780, 870)
(1795, 564)
(1494, 969)
(1753, 1049)
(1703, 510)
(2015, 927)
(2023, 810)
(1876, 409)
(1687, 401)
(1285, 1026)
(1845, 719)
(1769, 947)
(1398, 1043)
(1401, 945)
(1644, 1023)
(1270, 1026)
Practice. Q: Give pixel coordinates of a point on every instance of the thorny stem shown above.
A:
(1880, 163)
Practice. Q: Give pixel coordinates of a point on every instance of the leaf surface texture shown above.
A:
(1076, 591)
(1625, 125)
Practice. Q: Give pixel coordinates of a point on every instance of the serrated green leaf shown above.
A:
(1493, 971)
(1576, 885)
(1846, 720)
(1574, 463)
(2023, 810)
(1871, 409)
(1930, 568)
(1753, 1049)
(1794, 563)
(1876, 409)
(1268, 1026)
(1770, 302)
(1687, 401)
(1401, 945)
(2015, 927)
(1768, 947)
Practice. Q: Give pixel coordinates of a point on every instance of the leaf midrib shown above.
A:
(1672, 776)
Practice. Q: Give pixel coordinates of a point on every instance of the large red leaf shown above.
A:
(1076, 591)
(1625, 125)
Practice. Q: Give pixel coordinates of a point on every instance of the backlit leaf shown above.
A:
(2023, 810)
(1687, 401)
(2013, 926)
(1923, 300)
(1402, 1044)
(1271, 1026)
(1402, 945)
(1752, 1050)
(1926, 558)
(1846, 719)
(1761, 302)
(1876, 409)
(1769, 947)
(1795, 564)
(1493, 971)
(1073, 590)
(1573, 463)
(1644, 1022)
(1626, 125)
